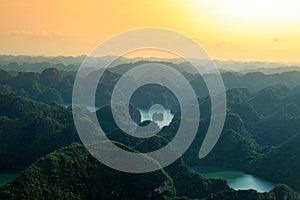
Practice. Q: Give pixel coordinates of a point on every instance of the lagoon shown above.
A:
(236, 179)
(7, 176)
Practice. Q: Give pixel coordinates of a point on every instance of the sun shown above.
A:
(254, 12)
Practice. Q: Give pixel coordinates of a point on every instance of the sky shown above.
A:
(244, 30)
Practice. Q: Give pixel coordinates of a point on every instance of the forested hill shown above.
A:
(260, 136)
(55, 84)
(72, 173)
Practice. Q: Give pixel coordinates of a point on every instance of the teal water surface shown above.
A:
(166, 120)
(236, 179)
(7, 176)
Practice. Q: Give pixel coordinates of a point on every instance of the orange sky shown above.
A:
(265, 30)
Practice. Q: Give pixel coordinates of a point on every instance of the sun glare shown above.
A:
(228, 29)
(255, 12)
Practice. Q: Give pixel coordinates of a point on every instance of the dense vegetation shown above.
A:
(53, 83)
(262, 140)
(29, 130)
(72, 173)
(260, 136)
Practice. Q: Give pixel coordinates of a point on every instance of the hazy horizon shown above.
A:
(227, 30)
(150, 57)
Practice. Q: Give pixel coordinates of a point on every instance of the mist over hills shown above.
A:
(71, 63)
(55, 84)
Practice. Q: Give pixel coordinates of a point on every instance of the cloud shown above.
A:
(40, 33)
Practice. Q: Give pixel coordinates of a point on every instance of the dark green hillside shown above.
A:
(247, 113)
(17, 107)
(283, 191)
(267, 100)
(4, 76)
(248, 137)
(279, 127)
(242, 195)
(72, 173)
(279, 192)
(232, 150)
(6, 89)
(282, 164)
(43, 87)
(191, 184)
(53, 83)
(237, 95)
(255, 81)
(260, 136)
(51, 77)
(29, 130)
(154, 143)
(106, 119)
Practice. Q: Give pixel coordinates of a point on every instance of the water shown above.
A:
(89, 108)
(167, 116)
(236, 179)
(7, 176)
(166, 119)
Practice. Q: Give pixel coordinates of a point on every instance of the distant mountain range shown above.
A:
(71, 63)
(55, 85)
